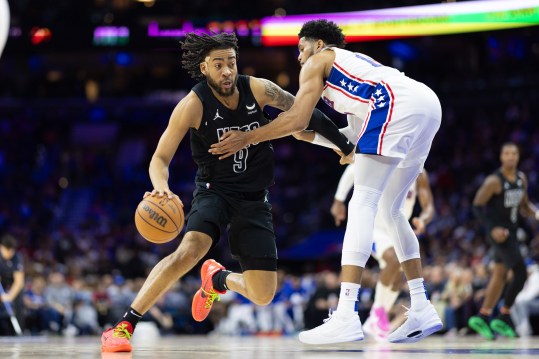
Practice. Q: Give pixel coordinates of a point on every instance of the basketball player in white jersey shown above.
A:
(4, 24)
(388, 285)
(401, 117)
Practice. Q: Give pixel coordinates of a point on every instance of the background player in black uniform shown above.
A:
(497, 203)
(12, 279)
(230, 192)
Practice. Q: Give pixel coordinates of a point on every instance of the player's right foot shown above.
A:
(479, 323)
(377, 324)
(420, 324)
(334, 330)
(117, 339)
(206, 295)
(504, 326)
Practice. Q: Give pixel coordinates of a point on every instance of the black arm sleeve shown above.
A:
(480, 214)
(324, 126)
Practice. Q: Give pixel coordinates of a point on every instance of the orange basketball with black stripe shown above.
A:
(159, 219)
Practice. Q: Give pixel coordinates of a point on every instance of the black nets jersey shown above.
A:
(502, 209)
(248, 170)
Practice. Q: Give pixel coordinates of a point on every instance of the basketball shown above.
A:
(159, 219)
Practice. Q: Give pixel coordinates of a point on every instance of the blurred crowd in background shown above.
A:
(77, 130)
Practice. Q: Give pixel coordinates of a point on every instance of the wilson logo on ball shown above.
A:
(160, 220)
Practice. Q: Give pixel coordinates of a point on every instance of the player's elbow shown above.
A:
(299, 126)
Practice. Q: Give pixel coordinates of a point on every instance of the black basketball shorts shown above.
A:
(249, 221)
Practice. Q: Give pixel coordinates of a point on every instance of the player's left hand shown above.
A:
(419, 225)
(229, 143)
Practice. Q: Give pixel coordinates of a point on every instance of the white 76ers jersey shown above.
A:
(352, 80)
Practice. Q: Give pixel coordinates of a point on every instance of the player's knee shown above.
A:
(365, 197)
(262, 297)
(499, 272)
(392, 216)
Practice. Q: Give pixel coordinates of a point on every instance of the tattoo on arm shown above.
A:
(280, 98)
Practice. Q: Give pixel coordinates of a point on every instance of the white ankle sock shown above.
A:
(348, 299)
(418, 294)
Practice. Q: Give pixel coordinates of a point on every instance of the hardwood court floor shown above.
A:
(202, 347)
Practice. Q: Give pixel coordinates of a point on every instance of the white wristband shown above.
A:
(537, 215)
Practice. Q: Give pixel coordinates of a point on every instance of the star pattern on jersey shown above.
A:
(351, 85)
(379, 99)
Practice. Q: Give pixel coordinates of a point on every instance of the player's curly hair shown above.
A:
(197, 46)
(324, 30)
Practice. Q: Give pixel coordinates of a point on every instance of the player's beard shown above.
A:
(225, 93)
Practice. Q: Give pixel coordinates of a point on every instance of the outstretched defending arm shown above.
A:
(294, 120)
(268, 93)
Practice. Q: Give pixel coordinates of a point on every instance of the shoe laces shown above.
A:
(211, 296)
(407, 310)
(330, 314)
(121, 331)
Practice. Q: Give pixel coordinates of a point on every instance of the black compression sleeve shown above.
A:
(321, 124)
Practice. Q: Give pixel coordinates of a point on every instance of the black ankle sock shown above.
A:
(219, 280)
(131, 316)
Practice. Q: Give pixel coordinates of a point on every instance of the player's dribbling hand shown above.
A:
(163, 192)
(229, 143)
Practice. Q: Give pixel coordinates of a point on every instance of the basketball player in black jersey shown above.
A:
(497, 204)
(232, 192)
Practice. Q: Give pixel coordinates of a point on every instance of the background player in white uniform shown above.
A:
(402, 117)
(4, 24)
(388, 285)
